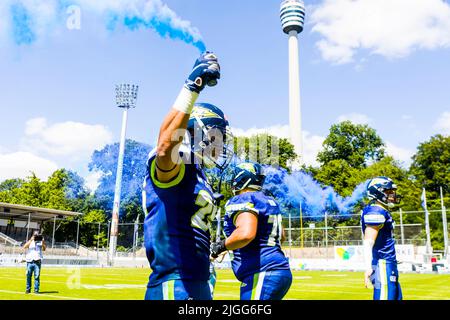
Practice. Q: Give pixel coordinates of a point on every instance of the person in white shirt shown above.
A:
(34, 257)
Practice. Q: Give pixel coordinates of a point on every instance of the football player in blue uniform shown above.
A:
(379, 243)
(253, 228)
(177, 198)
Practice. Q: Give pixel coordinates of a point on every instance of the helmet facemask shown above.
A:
(392, 198)
(212, 145)
(388, 197)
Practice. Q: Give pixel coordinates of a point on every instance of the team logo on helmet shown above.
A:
(248, 166)
(202, 113)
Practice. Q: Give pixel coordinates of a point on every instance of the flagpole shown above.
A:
(427, 222)
(444, 225)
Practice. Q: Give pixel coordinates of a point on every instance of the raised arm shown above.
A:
(206, 71)
(28, 243)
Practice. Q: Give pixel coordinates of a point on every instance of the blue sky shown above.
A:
(58, 92)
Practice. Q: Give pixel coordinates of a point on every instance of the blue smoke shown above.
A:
(22, 24)
(163, 28)
(131, 15)
(299, 188)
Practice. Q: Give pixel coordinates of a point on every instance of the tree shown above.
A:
(431, 170)
(354, 143)
(9, 189)
(265, 149)
(431, 165)
(339, 175)
(134, 171)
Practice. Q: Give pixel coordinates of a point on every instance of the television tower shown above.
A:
(126, 96)
(292, 14)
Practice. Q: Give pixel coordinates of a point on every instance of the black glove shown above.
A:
(217, 248)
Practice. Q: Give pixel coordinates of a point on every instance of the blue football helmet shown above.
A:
(247, 175)
(377, 190)
(211, 140)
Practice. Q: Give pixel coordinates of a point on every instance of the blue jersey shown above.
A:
(264, 252)
(384, 247)
(177, 223)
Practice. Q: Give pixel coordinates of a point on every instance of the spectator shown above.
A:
(33, 257)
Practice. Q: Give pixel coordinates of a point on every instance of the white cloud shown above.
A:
(92, 180)
(442, 125)
(391, 28)
(21, 164)
(312, 144)
(70, 139)
(281, 131)
(356, 118)
(401, 154)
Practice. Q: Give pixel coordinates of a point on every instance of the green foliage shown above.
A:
(134, 171)
(431, 165)
(340, 175)
(356, 144)
(265, 149)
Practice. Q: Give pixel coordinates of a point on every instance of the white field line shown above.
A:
(82, 276)
(324, 291)
(88, 286)
(24, 279)
(421, 297)
(43, 295)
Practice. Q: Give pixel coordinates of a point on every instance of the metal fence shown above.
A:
(333, 230)
(76, 237)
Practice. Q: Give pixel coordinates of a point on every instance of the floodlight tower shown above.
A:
(126, 97)
(292, 14)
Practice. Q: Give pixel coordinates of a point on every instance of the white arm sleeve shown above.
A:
(368, 247)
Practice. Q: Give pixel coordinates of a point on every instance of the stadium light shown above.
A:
(292, 14)
(126, 97)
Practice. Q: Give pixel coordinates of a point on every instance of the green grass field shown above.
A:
(124, 284)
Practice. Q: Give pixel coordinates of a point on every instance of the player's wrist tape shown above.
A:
(185, 100)
(368, 256)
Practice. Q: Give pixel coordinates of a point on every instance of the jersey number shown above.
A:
(275, 236)
(203, 217)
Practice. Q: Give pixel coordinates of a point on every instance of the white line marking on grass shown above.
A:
(113, 286)
(324, 291)
(302, 278)
(24, 278)
(43, 295)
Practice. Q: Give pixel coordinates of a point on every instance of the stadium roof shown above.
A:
(20, 212)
